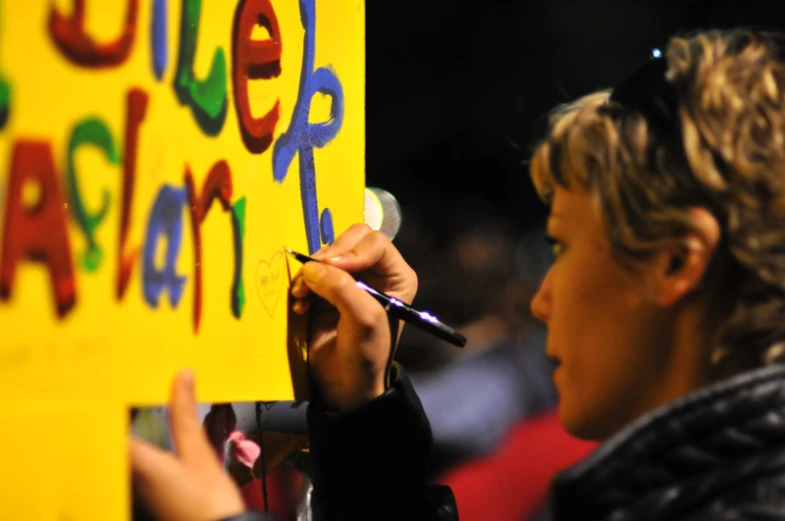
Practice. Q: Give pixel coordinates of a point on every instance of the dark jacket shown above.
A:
(718, 454)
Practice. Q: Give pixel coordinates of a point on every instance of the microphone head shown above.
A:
(382, 211)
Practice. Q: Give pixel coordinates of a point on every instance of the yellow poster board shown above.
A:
(156, 157)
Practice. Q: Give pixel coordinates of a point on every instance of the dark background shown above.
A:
(457, 90)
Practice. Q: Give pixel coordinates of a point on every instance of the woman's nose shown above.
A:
(541, 302)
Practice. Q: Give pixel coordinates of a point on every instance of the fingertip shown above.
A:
(299, 288)
(183, 410)
(314, 272)
(184, 386)
(301, 306)
(187, 378)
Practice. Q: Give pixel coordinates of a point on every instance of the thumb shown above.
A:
(155, 472)
(152, 465)
(164, 485)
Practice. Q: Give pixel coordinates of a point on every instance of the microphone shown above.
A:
(382, 211)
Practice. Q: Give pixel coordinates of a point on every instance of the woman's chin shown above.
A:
(579, 424)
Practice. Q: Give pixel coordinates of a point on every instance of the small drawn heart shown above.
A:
(270, 276)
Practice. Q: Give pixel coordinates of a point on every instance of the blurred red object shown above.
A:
(512, 482)
(283, 493)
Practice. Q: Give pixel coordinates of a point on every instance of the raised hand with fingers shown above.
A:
(190, 484)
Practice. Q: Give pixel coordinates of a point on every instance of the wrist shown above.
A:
(349, 399)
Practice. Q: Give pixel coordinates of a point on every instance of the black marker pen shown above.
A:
(419, 319)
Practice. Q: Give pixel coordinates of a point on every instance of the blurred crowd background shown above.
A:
(458, 92)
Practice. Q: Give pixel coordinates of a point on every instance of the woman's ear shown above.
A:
(679, 270)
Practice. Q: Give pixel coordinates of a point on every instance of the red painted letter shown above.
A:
(217, 185)
(255, 60)
(136, 107)
(70, 37)
(36, 230)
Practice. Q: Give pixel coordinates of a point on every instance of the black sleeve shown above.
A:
(372, 463)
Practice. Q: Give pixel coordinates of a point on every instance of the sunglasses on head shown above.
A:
(647, 92)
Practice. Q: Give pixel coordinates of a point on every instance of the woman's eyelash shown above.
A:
(555, 244)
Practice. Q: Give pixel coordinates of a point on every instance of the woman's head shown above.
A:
(671, 231)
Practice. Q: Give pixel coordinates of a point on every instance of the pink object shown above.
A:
(243, 450)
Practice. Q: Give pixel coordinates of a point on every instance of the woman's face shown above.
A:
(604, 334)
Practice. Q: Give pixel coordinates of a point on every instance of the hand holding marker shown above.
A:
(419, 319)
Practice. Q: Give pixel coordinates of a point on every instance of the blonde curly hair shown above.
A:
(728, 156)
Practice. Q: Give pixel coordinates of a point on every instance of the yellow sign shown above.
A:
(156, 156)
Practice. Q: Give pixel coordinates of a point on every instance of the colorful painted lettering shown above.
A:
(207, 97)
(159, 41)
(302, 136)
(91, 131)
(69, 35)
(255, 60)
(37, 231)
(238, 232)
(166, 219)
(217, 185)
(136, 109)
(5, 102)
(35, 223)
